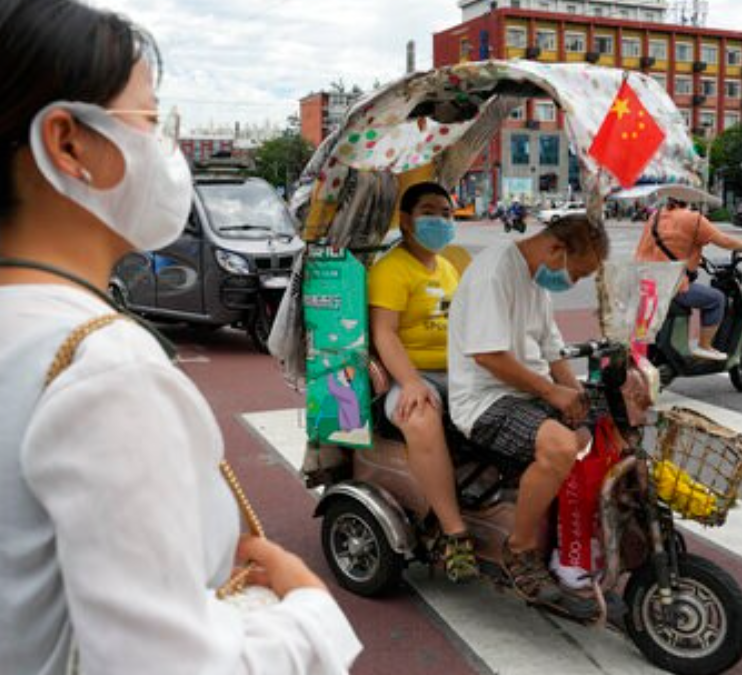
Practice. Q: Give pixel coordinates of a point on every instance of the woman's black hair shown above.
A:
(53, 50)
(416, 192)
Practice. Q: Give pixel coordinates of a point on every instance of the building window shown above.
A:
(708, 87)
(624, 13)
(516, 37)
(575, 42)
(544, 111)
(546, 40)
(731, 119)
(604, 44)
(597, 11)
(631, 48)
(518, 113)
(685, 114)
(548, 150)
(571, 9)
(515, 4)
(545, 6)
(734, 56)
(520, 149)
(660, 78)
(684, 52)
(649, 16)
(464, 49)
(707, 119)
(710, 54)
(658, 49)
(733, 88)
(683, 86)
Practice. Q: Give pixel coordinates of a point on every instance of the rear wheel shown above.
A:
(735, 375)
(703, 635)
(357, 550)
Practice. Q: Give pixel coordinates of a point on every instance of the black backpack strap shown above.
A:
(657, 240)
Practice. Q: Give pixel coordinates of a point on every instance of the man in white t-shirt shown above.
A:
(509, 388)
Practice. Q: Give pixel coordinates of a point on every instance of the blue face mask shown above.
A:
(555, 281)
(434, 233)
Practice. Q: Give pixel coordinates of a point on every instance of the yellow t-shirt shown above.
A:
(401, 283)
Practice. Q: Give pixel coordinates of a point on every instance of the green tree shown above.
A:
(281, 160)
(726, 158)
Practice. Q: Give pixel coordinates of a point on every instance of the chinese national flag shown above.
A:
(628, 138)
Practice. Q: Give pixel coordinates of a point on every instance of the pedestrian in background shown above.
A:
(115, 524)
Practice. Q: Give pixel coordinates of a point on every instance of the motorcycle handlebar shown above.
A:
(590, 348)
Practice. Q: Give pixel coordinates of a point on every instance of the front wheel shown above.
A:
(704, 634)
(735, 375)
(261, 323)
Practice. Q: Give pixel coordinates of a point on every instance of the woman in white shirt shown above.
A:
(115, 524)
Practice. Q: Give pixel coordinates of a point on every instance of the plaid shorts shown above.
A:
(510, 425)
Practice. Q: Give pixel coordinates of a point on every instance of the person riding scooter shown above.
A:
(677, 233)
(410, 290)
(509, 388)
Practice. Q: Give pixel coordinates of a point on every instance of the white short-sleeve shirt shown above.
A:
(498, 307)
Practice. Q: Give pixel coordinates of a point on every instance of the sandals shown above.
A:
(530, 578)
(456, 552)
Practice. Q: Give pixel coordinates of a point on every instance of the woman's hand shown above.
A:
(414, 394)
(274, 567)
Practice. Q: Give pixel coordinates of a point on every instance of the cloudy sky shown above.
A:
(251, 60)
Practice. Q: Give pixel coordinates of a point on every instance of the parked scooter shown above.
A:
(512, 218)
(671, 353)
(682, 611)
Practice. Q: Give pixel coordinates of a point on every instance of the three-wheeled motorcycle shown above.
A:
(682, 611)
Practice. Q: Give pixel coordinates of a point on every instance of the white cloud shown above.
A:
(251, 61)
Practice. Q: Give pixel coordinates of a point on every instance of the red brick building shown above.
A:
(701, 68)
(321, 112)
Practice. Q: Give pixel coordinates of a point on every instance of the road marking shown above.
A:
(193, 359)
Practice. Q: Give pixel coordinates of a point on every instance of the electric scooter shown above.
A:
(671, 353)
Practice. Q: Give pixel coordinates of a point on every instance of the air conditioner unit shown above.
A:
(699, 66)
(533, 52)
(647, 61)
(592, 57)
(699, 99)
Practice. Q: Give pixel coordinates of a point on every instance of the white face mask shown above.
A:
(149, 207)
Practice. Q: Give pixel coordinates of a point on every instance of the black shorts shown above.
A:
(510, 425)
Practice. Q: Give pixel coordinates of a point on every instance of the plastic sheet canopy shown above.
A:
(434, 124)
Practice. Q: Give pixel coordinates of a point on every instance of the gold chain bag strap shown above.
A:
(237, 591)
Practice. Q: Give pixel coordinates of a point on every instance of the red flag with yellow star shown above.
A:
(628, 138)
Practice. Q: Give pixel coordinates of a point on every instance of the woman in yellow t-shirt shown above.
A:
(410, 290)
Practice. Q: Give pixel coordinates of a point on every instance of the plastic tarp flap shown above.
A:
(620, 296)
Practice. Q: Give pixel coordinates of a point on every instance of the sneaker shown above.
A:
(709, 354)
(529, 576)
(457, 554)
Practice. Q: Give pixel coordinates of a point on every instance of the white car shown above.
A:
(551, 215)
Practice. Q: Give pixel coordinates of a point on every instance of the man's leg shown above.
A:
(556, 450)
